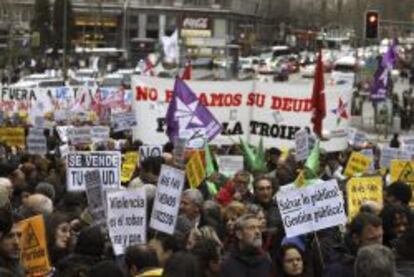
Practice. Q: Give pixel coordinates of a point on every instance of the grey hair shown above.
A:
(375, 260)
(241, 221)
(195, 196)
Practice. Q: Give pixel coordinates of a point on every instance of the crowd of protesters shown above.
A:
(233, 230)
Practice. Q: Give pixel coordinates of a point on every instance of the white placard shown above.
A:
(388, 154)
(100, 133)
(369, 153)
(146, 151)
(63, 132)
(127, 223)
(167, 199)
(36, 142)
(64, 150)
(302, 145)
(123, 121)
(107, 162)
(80, 135)
(95, 196)
(230, 164)
(311, 208)
(358, 138)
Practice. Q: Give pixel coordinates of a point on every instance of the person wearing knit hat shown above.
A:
(46, 189)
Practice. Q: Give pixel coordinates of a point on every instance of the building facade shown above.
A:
(128, 23)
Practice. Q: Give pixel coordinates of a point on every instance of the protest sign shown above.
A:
(370, 154)
(13, 136)
(63, 132)
(95, 196)
(229, 165)
(64, 150)
(403, 171)
(388, 154)
(80, 135)
(302, 145)
(34, 252)
(244, 110)
(311, 208)
(167, 199)
(179, 152)
(127, 223)
(100, 133)
(357, 138)
(36, 142)
(123, 121)
(195, 170)
(107, 162)
(357, 164)
(146, 151)
(39, 121)
(360, 190)
(128, 166)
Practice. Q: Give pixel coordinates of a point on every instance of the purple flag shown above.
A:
(187, 115)
(381, 77)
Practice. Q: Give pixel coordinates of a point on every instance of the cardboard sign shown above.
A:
(95, 196)
(403, 171)
(100, 133)
(146, 151)
(36, 142)
(229, 165)
(34, 254)
(302, 145)
(195, 170)
(311, 208)
(167, 199)
(128, 166)
(107, 162)
(80, 135)
(123, 121)
(363, 189)
(127, 221)
(13, 136)
(357, 164)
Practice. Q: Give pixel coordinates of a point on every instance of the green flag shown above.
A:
(210, 169)
(312, 163)
(255, 161)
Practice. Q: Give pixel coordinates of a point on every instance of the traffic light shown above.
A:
(371, 24)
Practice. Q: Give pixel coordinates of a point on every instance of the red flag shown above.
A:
(187, 71)
(318, 97)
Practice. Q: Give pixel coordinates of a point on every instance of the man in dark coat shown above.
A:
(247, 258)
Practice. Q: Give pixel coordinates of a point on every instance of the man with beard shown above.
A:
(247, 257)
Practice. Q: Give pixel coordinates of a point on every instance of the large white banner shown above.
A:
(250, 110)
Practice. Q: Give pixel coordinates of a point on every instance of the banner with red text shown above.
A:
(250, 110)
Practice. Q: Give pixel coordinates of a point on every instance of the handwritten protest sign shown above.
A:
(388, 154)
(128, 166)
(403, 171)
(195, 170)
(370, 154)
(357, 164)
(123, 121)
(127, 223)
(107, 162)
(36, 142)
(94, 194)
(363, 189)
(229, 165)
(34, 254)
(100, 133)
(13, 136)
(311, 208)
(80, 135)
(146, 151)
(167, 199)
(302, 145)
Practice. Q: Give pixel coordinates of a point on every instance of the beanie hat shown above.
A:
(46, 189)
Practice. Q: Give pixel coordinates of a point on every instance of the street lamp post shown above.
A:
(65, 35)
(124, 28)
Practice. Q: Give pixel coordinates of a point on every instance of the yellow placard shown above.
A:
(357, 164)
(128, 166)
(34, 255)
(363, 189)
(13, 136)
(195, 170)
(403, 171)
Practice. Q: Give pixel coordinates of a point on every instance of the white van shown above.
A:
(344, 70)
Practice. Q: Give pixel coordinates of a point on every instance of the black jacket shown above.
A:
(405, 267)
(247, 263)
